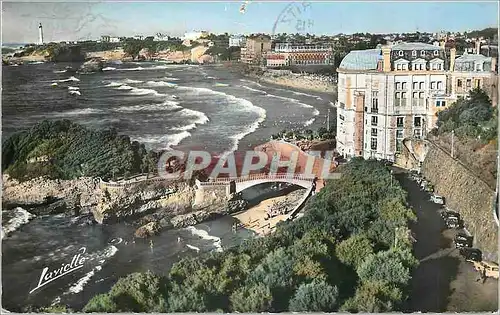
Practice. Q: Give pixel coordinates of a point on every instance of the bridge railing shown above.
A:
(226, 180)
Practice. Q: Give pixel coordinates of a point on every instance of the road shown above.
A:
(443, 282)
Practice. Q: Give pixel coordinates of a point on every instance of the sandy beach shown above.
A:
(254, 218)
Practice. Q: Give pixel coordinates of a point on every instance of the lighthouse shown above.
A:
(40, 34)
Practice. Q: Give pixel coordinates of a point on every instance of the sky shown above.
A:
(89, 20)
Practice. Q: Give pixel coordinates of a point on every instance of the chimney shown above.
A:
(453, 53)
(386, 55)
(493, 64)
(478, 47)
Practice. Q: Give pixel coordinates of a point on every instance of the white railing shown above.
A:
(226, 180)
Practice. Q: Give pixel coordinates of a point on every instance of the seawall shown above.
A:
(465, 193)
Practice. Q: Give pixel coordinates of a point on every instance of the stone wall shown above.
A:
(467, 194)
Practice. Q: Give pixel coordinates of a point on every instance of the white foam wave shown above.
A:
(221, 84)
(309, 122)
(124, 87)
(160, 83)
(165, 141)
(74, 88)
(197, 249)
(19, 218)
(170, 79)
(204, 235)
(35, 62)
(141, 68)
(167, 105)
(130, 81)
(113, 84)
(77, 112)
(108, 69)
(72, 78)
(73, 92)
(141, 92)
(59, 71)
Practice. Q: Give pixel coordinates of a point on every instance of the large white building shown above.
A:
(237, 41)
(192, 36)
(394, 92)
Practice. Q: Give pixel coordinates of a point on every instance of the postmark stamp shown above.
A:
(295, 16)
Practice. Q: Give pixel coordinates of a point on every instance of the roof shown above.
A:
(415, 46)
(361, 60)
(472, 57)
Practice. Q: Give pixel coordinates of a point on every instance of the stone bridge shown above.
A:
(229, 186)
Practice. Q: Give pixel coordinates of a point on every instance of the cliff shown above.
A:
(465, 193)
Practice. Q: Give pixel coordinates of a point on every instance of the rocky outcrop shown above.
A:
(91, 66)
(73, 195)
(467, 194)
(147, 230)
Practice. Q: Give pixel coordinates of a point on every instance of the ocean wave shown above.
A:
(221, 84)
(299, 93)
(124, 87)
(78, 112)
(35, 62)
(309, 122)
(170, 79)
(245, 104)
(141, 68)
(160, 83)
(316, 112)
(142, 92)
(197, 249)
(201, 119)
(113, 84)
(167, 105)
(130, 81)
(73, 88)
(204, 235)
(72, 78)
(73, 92)
(59, 71)
(108, 69)
(19, 218)
(165, 141)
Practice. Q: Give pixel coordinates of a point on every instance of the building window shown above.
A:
(398, 67)
(417, 121)
(415, 94)
(400, 122)
(398, 95)
(459, 83)
(341, 117)
(399, 145)
(403, 86)
(433, 85)
(421, 95)
(403, 95)
(422, 53)
(421, 86)
(374, 120)
(374, 132)
(397, 85)
(417, 133)
(373, 144)
(438, 103)
(399, 134)
(468, 83)
(414, 53)
(415, 85)
(400, 53)
(443, 103)
(477, 82)
(404, 67)
(436, 53)
(478, 67)
(374, 102)
(440, 85)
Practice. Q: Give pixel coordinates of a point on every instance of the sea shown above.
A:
(164, 106)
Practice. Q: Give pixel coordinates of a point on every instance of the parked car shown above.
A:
(452, 222)
(423, 184)
(490, 268)
(462, 240)
(471, 254)
(448, 213)
(437, 199)
(429, 188)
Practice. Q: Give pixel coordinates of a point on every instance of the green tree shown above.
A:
(317, 296)
(102, 303)
(132, 47)
(251, 298)
(384, 266)
(374, 297)
(354, 250)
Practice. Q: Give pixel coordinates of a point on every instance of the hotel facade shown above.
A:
(393, 92)
(288, 54)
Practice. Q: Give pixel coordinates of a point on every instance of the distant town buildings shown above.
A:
(109, 39)
(237, 41)
(192, 36)
(255, 48)
(291, 54)
(393, 92)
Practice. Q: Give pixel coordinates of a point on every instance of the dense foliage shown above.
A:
(471, 117)
(321, 134)
(66, 150)
(310, 264)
